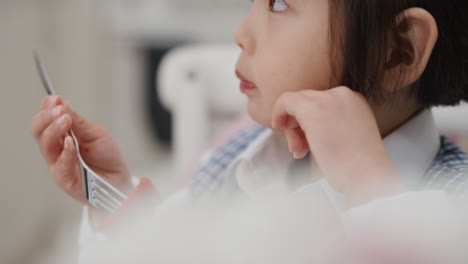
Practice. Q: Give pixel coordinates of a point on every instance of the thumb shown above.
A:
(84, 129)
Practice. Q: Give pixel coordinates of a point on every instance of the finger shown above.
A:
(297, 142)
(43, 119)
(66, 171)
(50, 101)
(285, 107)
(67, 108)
(49, 140)
(291, 123)
(84, 129)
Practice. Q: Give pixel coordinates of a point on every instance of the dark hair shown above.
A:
(361, 50)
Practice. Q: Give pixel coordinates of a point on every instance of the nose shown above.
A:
(244, 36)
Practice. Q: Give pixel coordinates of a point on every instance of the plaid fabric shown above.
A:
(448, 172)
(213, 175)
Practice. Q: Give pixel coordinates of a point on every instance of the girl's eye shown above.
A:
(278, 5)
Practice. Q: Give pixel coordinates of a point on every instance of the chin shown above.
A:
(259, 116)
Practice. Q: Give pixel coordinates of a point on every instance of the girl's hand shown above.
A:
(339, 128)
(50, 130)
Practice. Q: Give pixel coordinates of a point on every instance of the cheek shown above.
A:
(273, 82)
(289, 73)
(288, 61)
(293, 72)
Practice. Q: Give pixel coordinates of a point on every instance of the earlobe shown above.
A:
(414, 39)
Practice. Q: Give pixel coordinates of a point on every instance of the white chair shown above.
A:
(197, 83)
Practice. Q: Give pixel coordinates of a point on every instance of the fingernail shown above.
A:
(297, 156)
(61, 120)
(56, 111)
(69, 144)
(53, 100)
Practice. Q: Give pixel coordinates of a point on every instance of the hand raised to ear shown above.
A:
(338, 127)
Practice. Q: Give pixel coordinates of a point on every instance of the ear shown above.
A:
(412, 43)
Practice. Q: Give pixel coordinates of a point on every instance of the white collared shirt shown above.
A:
(264, 165)
(263, 168)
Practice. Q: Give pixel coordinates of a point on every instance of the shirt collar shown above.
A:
(412, 148)
(263, 163)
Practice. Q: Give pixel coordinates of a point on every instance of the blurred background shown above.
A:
(102, 55)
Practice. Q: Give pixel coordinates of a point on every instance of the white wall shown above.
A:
(202, 20)
(33, 210)
(37, 219)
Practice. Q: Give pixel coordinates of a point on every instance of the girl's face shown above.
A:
(284, 49)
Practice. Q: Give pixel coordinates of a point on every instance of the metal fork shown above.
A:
(98, 192)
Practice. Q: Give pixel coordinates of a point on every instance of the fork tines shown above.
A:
(103, 195)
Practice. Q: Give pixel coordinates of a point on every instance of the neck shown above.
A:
(391, 117)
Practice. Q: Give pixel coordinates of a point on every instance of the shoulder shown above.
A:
(449, 170)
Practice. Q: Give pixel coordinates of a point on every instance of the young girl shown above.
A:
(343, 86)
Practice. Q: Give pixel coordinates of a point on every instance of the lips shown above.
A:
(245, 85)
